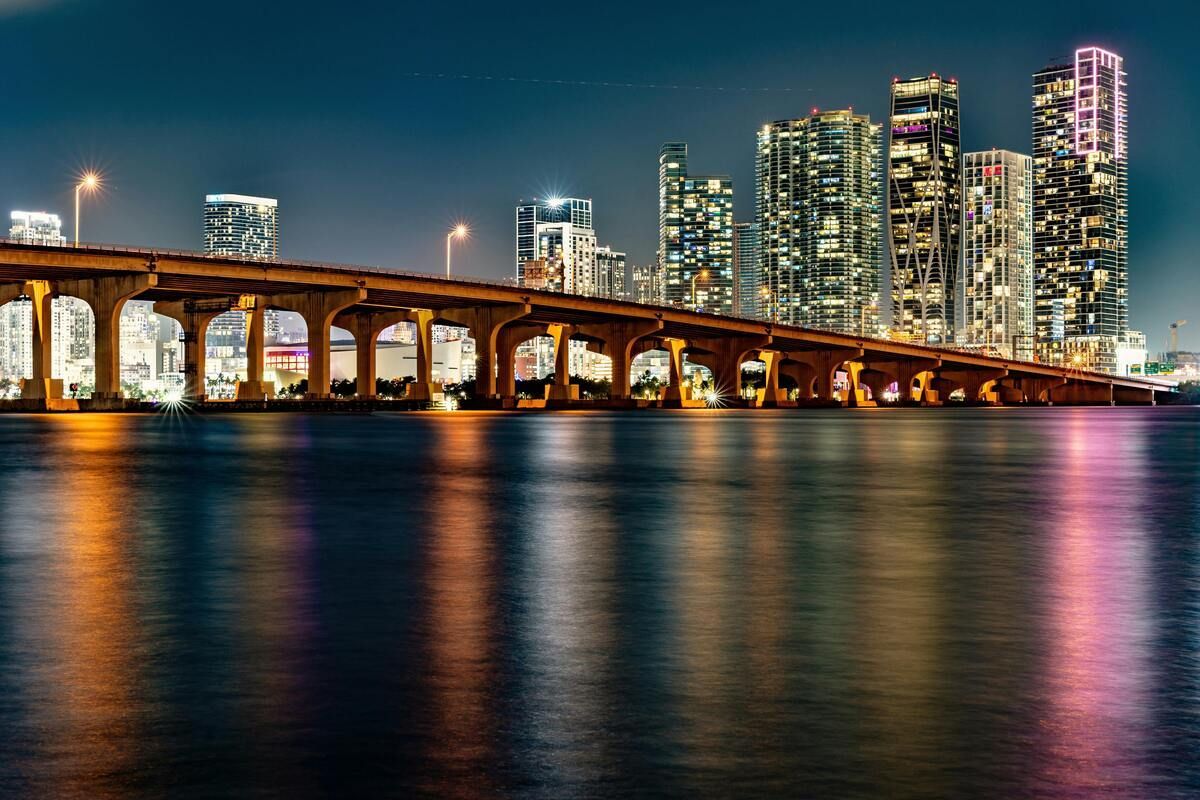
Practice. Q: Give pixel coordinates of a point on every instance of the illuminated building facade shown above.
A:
(558, 231)
(818, 206)
(924, 207)
(695, 234)
(1080, 210)
(36, 227)
(240, 226)
(747, 276)
(997, 254)
(648, 284)
(610, 271)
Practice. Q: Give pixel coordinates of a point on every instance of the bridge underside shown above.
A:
(800, 366)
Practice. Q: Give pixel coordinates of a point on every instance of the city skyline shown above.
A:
(614, 172)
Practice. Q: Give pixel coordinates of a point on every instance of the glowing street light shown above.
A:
(702, 275)
(91, 182)
(459, 231)
(773, 296)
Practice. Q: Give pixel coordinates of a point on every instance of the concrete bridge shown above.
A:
(194, 288)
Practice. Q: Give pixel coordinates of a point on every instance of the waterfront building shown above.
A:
(695, 234)
(559, 232)
(240, 226)
(997, 254)
(818, 208)
(924, 207)
(747, 277)
(610, 270)
(1080, 210)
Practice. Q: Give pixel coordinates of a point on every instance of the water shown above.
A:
(894, 603)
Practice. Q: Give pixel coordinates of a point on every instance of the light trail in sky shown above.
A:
(456, 76)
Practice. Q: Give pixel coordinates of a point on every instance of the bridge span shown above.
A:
(194, 288)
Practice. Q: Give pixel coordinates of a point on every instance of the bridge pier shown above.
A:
(41, 386)
(1077, 393)
(619, 341)
(193, 318)
(106, 297)
(254, 388)
(724, 356)
(486, 324)
(562, 390)
(674, 394)
(772, 396)
(318, 310)
(825, 365)
(365, 327)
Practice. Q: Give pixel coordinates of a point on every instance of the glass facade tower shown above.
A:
(818, 205)
(924, 207)
(558, 231)
(997, 253)
(695, 234)
(1080, 210)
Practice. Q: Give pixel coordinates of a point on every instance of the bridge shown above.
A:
(193, 288)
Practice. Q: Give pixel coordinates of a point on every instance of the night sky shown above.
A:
(317, 104)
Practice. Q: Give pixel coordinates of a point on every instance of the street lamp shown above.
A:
(773, 297)
(459, 231)
(90, 182)
(703, 275)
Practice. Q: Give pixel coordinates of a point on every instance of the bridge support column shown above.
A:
(254, 388)
(620, 339)
(485, 324)
(1083, 393)
(106, 297)
(41, 386)
(318, 310)
(971, 381)
(562, 390)
(194, 318)
(825, 364)
(1040, 390)
(724, 356)
(1130, 396)
(365, 327)
(772, 396)
(907, 372)
(675, 393)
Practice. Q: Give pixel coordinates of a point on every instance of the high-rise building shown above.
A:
(610, 271)
(240, 226)
(818, 207)
(1080, 210)
(36, 227)
(648, 284)
(997, 254)
(695, 234)
(924, 207)
(559, 231)
(747, 276)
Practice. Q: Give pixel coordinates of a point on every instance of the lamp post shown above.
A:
(90, 181)
(703, 275)
(773, 297)
(459, 231)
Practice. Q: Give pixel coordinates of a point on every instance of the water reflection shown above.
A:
(460, 582)
(1097, 674)
(826, 604)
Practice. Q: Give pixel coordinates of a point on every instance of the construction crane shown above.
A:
(1175, 326)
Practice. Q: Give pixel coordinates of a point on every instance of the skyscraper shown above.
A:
(695, 234)
(747, 276)
(1080, 210)
(818, 207)
(924, 207)
(997, 254)
(242, 227)
(610, 271)
(559, 231)
(647, 284)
